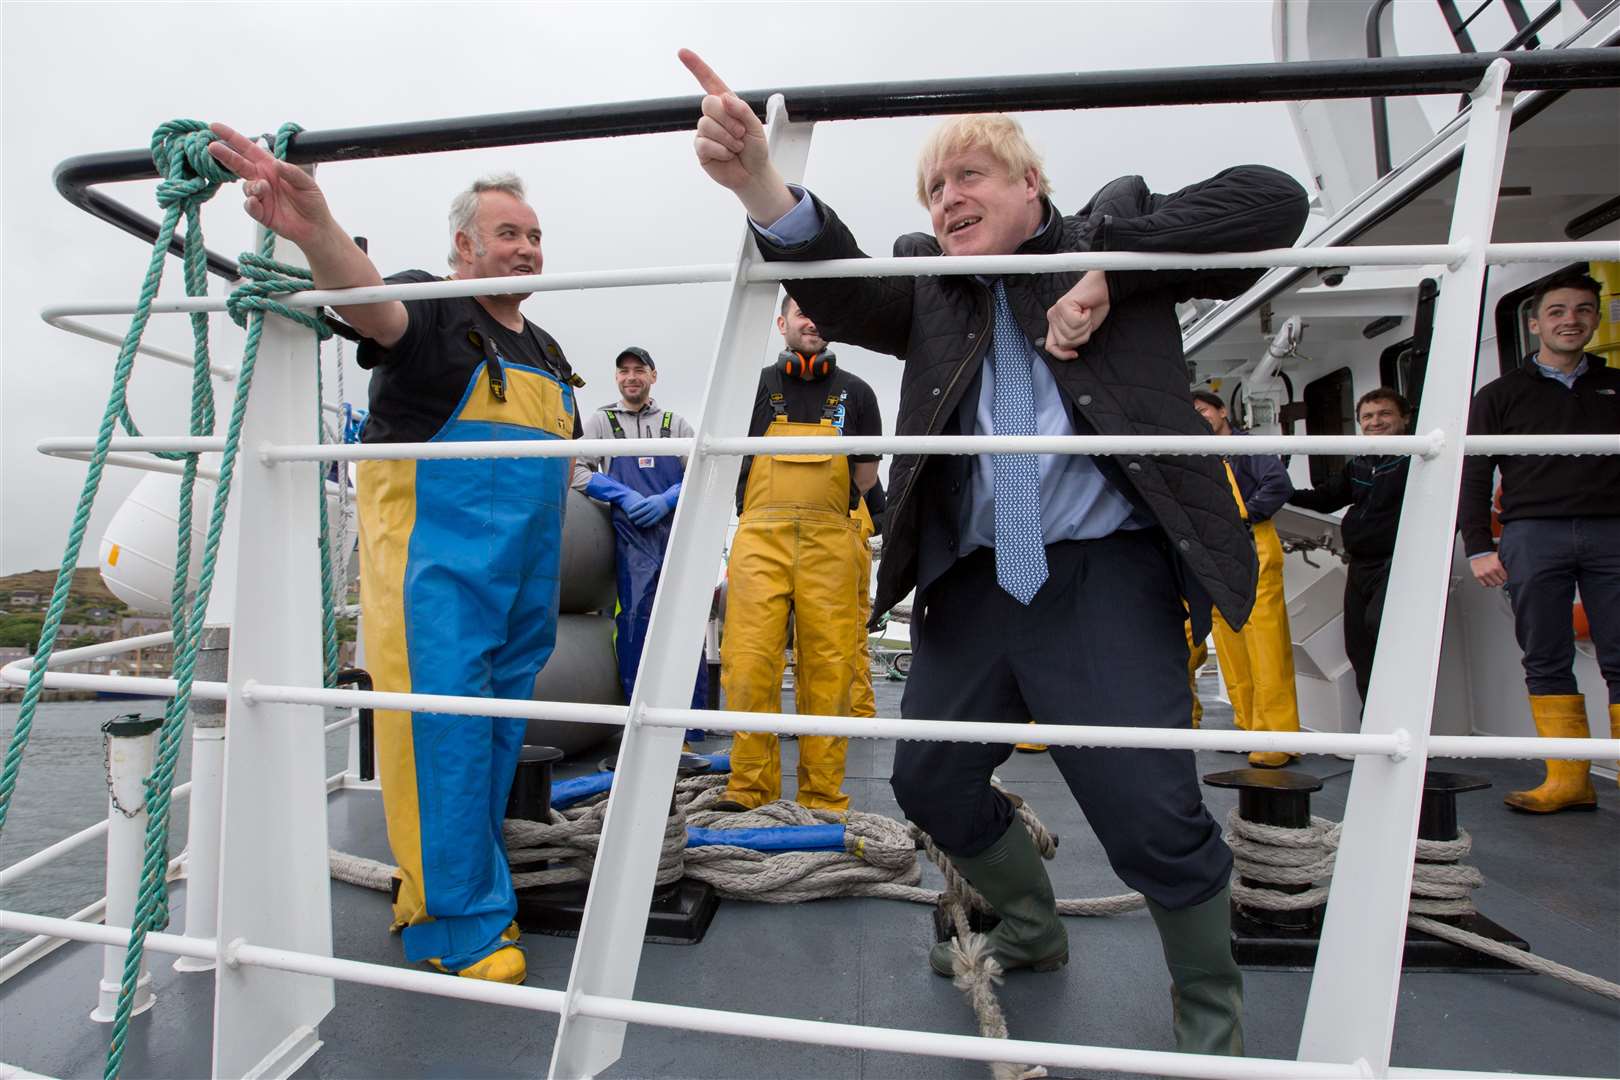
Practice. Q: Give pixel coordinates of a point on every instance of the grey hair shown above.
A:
(464, 207)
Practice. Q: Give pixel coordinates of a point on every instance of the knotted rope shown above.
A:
(1441, 886)
(977, 971)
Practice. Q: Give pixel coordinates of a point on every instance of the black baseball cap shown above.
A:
(638, 353)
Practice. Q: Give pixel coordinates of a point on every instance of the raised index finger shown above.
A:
(238, 150)
(703, 73)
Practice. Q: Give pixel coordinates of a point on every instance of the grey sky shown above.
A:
(92, 77)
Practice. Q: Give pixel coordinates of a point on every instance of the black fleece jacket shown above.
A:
(1526, 402)
(1372, 486)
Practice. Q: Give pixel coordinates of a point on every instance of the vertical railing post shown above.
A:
(274, 888)
(131, 748)
(1350, 1015)
(615, 920)
(207, 780)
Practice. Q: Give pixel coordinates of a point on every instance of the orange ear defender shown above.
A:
(798, 366)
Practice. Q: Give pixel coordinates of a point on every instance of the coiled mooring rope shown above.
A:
(1441, 885)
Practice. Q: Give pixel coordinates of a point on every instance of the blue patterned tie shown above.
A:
(1020, 547)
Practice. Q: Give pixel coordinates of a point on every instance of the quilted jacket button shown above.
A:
(1184, 545)
(936, 391)
(1135, 466)
(1085, 399)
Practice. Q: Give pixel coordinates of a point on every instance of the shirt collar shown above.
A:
(1554, 373)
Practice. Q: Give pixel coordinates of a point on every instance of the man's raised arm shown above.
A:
(287, 201)
(731, 148)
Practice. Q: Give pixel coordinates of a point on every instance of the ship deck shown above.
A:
(1553, 881)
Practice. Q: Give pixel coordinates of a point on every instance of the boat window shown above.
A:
(1330, 409)
(1403, 365)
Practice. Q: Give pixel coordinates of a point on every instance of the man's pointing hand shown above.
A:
(731, 148)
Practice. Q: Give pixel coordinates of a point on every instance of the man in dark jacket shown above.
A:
(1372, 486)
(1257, 662)
(1048, 587)
(1560, 524)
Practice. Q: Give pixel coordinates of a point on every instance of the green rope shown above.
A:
(190, 177)
(246, 305)
(329, 586)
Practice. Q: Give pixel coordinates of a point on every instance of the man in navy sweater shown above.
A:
(1372, 486)
(1560, 523)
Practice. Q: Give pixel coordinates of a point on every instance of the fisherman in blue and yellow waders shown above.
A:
(459, 558)
(643, 490)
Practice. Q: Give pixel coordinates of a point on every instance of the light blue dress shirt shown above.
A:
(1566, 377)
(1077, 501)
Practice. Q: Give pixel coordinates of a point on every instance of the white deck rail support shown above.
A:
(615, 919)
(1350, 1014)
(274, 884)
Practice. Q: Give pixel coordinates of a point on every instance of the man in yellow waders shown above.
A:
(797, 550)
(862, 699)
(458, 558)
(1257, 662)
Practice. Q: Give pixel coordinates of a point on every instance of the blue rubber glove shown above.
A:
(656, 507)
(604, 488)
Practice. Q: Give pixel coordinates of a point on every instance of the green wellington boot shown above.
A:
(1009, 874)
(1206, 995)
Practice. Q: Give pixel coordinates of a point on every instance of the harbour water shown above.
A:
(62, 788)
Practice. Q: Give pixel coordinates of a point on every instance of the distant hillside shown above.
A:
(87, 586)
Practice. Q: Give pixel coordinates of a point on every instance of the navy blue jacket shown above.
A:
(1263, 482)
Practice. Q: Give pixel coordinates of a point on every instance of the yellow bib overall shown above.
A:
(1257, 662)
(794, 553)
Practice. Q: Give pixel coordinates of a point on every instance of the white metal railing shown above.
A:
(267, 1024)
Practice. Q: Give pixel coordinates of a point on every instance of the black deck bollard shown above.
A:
(531, 786)
(680, 912)
(1437, 818)
(1288, 939)
(1280, 798)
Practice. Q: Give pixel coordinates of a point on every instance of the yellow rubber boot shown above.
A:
(1569, 783)
(504, 965)
(1614, 728)
(1032, 747)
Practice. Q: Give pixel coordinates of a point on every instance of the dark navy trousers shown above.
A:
(1546, 560)
(1365, 582)
(1101, 643)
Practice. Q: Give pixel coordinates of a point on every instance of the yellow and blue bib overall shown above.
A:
(458, 590)
(794, 552)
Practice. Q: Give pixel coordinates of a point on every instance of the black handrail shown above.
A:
(1565, 69)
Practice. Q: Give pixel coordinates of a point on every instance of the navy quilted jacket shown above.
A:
(1130, 378)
